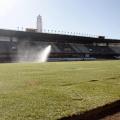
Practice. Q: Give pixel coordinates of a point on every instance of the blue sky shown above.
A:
(95, 17)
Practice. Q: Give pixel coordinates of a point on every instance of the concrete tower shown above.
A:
(39, 23)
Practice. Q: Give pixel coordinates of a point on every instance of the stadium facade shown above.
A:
(16, 45)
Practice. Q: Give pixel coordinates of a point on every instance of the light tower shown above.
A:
(39, 23)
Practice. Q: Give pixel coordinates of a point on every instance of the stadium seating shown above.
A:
(82, 48)
(116, 49)
(5, 47)
(55, 48)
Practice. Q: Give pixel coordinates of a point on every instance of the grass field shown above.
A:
(49, 91)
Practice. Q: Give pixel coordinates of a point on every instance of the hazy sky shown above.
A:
(96, 17)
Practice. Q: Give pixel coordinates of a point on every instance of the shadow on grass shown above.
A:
(97, 113)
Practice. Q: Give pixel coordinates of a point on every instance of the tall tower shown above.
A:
(39, 23)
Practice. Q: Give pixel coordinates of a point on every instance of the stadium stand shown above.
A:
(20, 44)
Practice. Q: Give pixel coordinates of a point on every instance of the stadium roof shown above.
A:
(47, 37)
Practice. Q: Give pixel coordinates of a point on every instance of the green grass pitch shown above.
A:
(52, 90)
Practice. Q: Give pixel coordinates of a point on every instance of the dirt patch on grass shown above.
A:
(112, 78)
(93, 80)
(107, 112)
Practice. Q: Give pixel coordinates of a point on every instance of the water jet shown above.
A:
(43, 55)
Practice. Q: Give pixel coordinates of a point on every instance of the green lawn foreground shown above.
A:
(52, 90)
